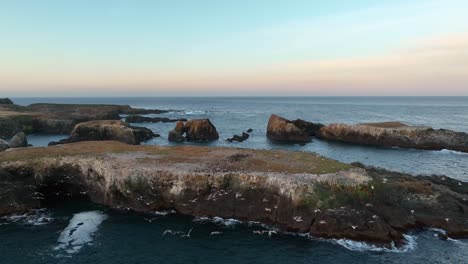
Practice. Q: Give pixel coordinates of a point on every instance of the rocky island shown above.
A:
(385, 134)
(58, 118)
(293, 191)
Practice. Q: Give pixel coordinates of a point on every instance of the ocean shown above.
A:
(125, 237)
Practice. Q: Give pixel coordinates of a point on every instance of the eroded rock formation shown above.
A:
(295, 191)
(58, 118)
(396, 134)
(280, 129)
(194, 130)
(108, 130)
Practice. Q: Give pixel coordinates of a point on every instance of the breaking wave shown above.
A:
(34, 217)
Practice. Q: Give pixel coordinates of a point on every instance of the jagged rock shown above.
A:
(396, 134)
(249, 130)
(195, 130)
(238, 138)
(177, 134)
(283, 130)
(108, 130)
(4, 145)
(19, 141)
(6, 101)
(146, 119)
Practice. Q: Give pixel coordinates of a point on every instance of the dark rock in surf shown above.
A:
(283, 130)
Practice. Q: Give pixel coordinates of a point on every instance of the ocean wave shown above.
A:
(34, 217)
(164, 212)
(363, 246)
(79, 231)
(217, 220)
(448, 151)
(194, 112)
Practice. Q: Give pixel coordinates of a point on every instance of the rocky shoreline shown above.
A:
(293, 191)
(58, 118)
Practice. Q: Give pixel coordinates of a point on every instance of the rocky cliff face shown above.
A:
(396, 134)
(294, 191)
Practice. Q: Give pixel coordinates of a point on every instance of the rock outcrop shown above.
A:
(58, 118)
(108, 130)
(6, 101)
(4, 145)
(177, 134)
(297, 131)
(294, 191)
(19, 141)
(396, 134)
(147, 119)
(195, 130)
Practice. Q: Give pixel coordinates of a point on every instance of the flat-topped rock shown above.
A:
(396, 134)
(108, 130)
(294, 191)
(59, 118)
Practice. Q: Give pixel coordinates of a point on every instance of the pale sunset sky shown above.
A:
(233, 48)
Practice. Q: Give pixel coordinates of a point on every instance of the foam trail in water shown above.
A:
(79, 231)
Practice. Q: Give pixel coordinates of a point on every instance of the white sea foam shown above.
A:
(410, 244)
(79, 231)
(194, 112)
(217, 220)
(448, 151)
(164, 213)
(34, 217)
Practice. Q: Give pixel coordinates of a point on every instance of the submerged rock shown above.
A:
(195, 130)
(396, 134)
(108, 130)
(238, 138)
(280, 129)
(19, 141)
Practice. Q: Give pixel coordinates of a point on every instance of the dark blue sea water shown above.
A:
(117, 237)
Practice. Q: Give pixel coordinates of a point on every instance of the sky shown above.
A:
(233, 48)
